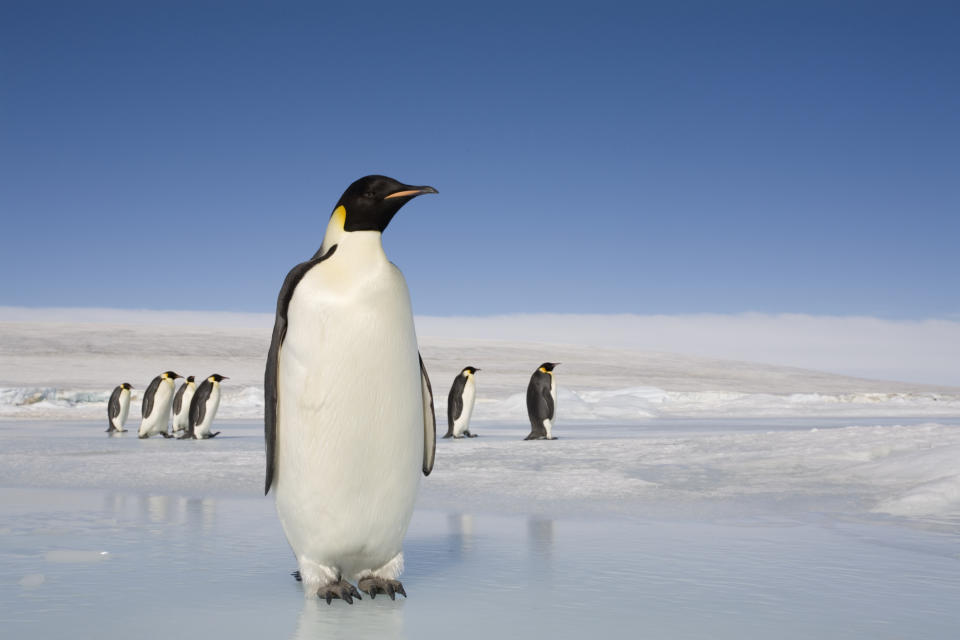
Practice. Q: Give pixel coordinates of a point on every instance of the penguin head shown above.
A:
(547, 367)
(469, 371)
(217, 378)
(126, 385)
(170, 375)
(371, 202)
(189, 378)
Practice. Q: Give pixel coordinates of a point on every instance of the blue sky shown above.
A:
(595, 158)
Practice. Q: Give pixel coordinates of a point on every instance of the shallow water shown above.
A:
(142, 562)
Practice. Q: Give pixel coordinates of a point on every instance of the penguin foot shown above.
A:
(186, 436)
(469, 435)
(373, 585)
(342, 590)
(449, 435)
(212, 435)
(165, 434)
(296, 576)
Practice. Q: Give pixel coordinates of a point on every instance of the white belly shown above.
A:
(349, 414)
(548, 422)
(121, 418)
(181, 420)
(160, 416)
(213, 403)
(462, 423)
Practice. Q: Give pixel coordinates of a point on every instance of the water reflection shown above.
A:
(380, 618)
(460, 532)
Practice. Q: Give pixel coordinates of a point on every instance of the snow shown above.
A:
(64, 363)
(686, 497)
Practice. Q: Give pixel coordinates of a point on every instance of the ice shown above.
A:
(723, 529)
(686, 496)
(64, 363)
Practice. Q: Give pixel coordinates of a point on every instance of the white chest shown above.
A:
(349, 408)
(462, 423)
(124, 400)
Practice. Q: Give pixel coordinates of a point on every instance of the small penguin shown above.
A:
(156, 406)
(348, 416)
(463, 393)
(118, 407)
(203, 408)
(181, 404)
(542, 402)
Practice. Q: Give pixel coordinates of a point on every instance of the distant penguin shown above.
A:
(463, 393)
(349, 421)
(118, 407)
(156, 406)
(542, 402)
(181, 405)
(203, 408)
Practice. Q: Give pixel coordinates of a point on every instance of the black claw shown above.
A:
(347, 597)
(329, 597)
(296, 576)
(401, 591)
(373, 592)
(391, 592)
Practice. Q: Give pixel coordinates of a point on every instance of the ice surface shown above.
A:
(721, 529)
(686, 497)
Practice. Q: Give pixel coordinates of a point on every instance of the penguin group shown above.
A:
(192, 407)
(349, 423)
(541, 403)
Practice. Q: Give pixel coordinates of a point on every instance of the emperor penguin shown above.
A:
(349, 420)
(156, 406)
(203, 408)
(181, 404)
(118, 407)
(463, 393)
(542, 402)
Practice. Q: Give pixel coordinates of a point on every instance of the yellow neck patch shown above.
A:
(340, 215)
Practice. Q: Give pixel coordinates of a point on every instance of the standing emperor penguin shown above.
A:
(181, 404)
(463, 393)
(203, 408)
(542, 402)
(118, 407)
(156, 406)
(349, 420)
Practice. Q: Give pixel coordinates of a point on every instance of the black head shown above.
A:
(126, 385)
(170, 375)
(189, 378)
(371, 202)
(217, 377)
(470, 370)
(548, 366)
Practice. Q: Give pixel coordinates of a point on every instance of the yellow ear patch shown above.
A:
(544, 370)
(340, 215)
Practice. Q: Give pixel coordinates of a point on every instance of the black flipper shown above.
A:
(455, 402)
(273, 356)
(429, 420)
(147, 407)
(113, 408)
(198, 407)
(178, 398)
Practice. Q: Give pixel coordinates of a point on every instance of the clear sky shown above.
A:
(675, 157)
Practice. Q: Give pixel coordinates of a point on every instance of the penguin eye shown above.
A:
(369, 194)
